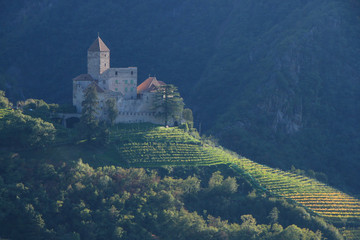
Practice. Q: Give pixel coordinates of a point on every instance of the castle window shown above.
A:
(126, 81)
(132, 72)
(103, 81)
(116, 74)
(132, 81)
(116, 81)
(105, 64)
(125, 89)
(116, 89)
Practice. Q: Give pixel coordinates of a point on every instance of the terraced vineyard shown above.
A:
(351, 234)
(315, 196)
(157, 146)
(148, 145)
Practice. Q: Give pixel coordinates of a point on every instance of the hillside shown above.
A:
(48, 192)
(151, 146)
(275, 81)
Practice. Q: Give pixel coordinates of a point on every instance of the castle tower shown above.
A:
(98, 58)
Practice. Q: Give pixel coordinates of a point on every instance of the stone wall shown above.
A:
(98, 62)
(121, 80)
(78, 93)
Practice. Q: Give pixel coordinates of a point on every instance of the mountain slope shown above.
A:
(47, 177)
(283, 84)
(146, 145)
(159, 146)
(275, 81)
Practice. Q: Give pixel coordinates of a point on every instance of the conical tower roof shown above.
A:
(98, 46)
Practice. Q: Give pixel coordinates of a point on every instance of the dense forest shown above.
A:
(74, 201)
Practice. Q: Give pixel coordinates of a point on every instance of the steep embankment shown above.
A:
(149, 146)
(145, 145)
(159, 146)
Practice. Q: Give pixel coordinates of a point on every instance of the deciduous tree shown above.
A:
(4, 102)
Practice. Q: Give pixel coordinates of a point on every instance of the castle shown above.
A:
(134, 103)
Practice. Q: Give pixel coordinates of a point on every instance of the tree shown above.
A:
(37, 108)
(188, 116)
(169, 102)
(218, 184)
(111, 110)
(273, 216)
(17, 129)
(89, 110)
(4, 102)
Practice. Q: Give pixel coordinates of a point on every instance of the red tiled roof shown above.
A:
(84, 77)
(149, 85)
(98, 46)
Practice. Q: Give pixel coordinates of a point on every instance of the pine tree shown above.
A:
(111, 110)
(168, 102)
(89, 111)
(273, 216)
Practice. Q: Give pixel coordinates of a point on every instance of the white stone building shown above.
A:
(134, 103)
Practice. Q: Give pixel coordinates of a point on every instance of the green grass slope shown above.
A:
(148, 145)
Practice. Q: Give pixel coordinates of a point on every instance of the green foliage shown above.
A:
(151, 145)
(294, 232)
(89, 113)
(111, 110)
(221, 186)
(274, 216)
(315, 196)
(19, 130)
(37, 108)
(188, 117)
(168, 103)
(310, 173)
(71, 200)
(4, 102)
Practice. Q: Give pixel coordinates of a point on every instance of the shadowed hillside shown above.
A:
(275, 81)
